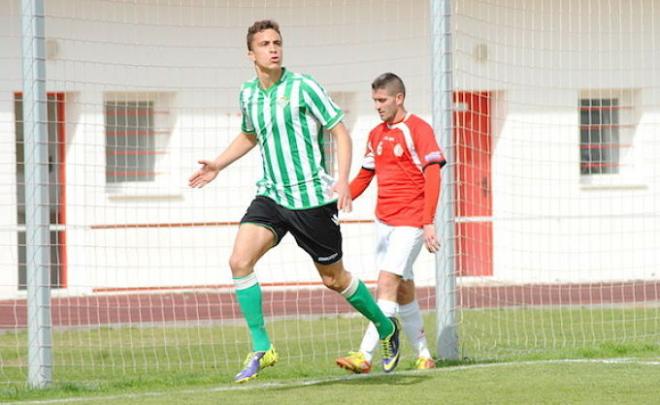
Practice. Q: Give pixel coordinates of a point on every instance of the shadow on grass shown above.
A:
(374, 380)
(402, 377)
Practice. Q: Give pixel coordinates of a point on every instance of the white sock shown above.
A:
(413, 325)
(371, 338)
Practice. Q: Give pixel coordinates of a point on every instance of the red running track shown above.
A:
(207, 305)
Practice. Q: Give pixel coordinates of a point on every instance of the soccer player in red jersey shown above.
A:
(403, 155)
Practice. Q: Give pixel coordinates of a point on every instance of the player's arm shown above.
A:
(432, 160)
(361, 182)
(432, 181)
(344, 155)
(366, 174)
(242, 144)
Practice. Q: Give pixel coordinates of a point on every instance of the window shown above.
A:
(608, 124)
(599, 136)
(56, 189)
(137, 141)
(130, 141)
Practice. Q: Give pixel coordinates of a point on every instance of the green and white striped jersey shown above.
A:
(288, 120)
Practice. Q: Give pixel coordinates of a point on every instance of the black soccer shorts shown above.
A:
(316, 230)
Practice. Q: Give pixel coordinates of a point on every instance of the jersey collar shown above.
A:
(396, 124)
(283, 77)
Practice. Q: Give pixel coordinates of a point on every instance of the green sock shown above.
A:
(362, 300)
(248, 294)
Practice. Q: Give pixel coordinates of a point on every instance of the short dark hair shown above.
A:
(259, 26)
(391, 82)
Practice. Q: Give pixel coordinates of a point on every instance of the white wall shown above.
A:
(551, 223)
(10, 78)
(548, 224)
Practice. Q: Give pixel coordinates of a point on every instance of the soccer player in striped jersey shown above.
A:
(403, 154)
(284, 113)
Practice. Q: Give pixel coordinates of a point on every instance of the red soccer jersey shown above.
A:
(399, 153)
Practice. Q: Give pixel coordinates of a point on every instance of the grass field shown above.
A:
(510, 355)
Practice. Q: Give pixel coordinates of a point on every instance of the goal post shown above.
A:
(37, 221)
(442, 107)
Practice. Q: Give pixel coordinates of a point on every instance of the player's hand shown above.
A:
(430, 238)
(204, 175)
(344, 200)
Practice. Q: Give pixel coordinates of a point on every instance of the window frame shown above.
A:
(625, 124)
(139, 147)
(163, 151)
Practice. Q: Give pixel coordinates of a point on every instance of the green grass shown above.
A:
(512, 383)
(114, 361)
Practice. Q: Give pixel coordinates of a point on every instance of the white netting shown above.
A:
(557, 186)
(557, 106)
(142, 90)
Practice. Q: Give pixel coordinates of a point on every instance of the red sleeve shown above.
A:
(367, 172)
(369, 161)
(361, 182)
(427, 148)
(431, 192)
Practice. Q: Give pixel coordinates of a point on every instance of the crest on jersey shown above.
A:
(379, 148)
(398, 150)
(283, 101)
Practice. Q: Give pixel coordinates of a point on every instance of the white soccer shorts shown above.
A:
(397, 248)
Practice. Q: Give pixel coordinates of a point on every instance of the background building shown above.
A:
(557, 115)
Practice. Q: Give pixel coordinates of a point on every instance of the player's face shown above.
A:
(266, 50)
(387, 104)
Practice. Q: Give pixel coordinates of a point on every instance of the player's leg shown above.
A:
(395, 257)
(336, 278)
(370, 339)
(357, 294)
(411, 240)
(252, 242)
(396, 250)
(413, 324)
(317, 231)
(257, 234)
(360, 361)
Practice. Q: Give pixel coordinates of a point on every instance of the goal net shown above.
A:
(556, 104)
